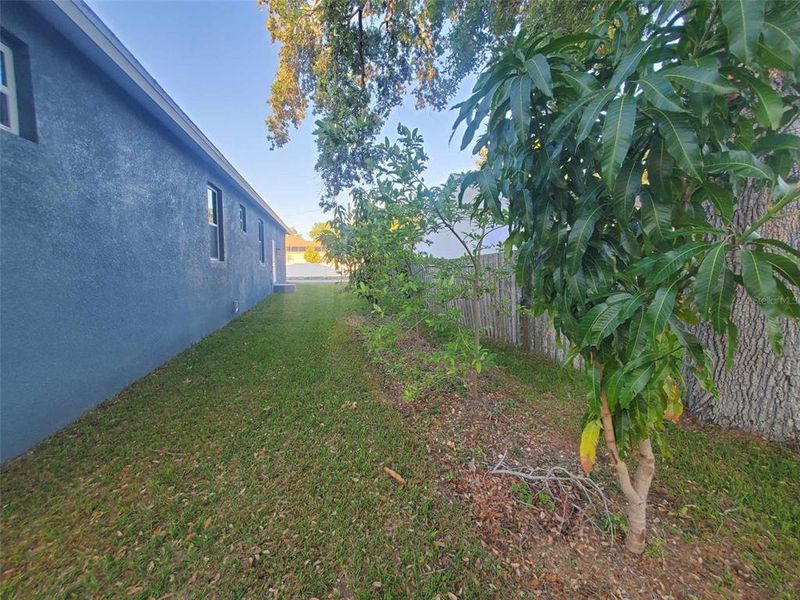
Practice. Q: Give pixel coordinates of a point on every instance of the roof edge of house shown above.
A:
(67, 16)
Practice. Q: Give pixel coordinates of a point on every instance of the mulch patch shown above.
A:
(555, 543)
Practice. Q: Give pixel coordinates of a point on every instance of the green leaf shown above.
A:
(565, 41)
(777, 244)
(721, 198)
(628, 63)
(775, 335)
(637, 332)
(733, 344)
(705, 80)
(673, 261)
(773, 142)
(539, 71)
(722, 301)
(788, 304)
(584, 83)
(740, 162)
(783, 34)
(769, 106)
(601, 324)
(783, 265)
(617, 136)
(744, 20)
(570, 111)
(636, 382)
(656, 217)
(520, 94)
(488, 188)
(709, 278)
(592, 113)
(660, 167)
(626, 187)
(661, 309)
(579, 237)
(689, 342)
(775, 58)
(760, 282)
(660, 93)
(680, 140)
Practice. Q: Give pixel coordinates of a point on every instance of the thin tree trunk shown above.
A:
(635, 491)
(525, 316)
(476, 322)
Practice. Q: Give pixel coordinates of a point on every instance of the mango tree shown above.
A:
(620, 152)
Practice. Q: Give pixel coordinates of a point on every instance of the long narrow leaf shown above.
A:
(539, 71)
(617, 136)
(520, 93)
(681, 140)
(744, 20)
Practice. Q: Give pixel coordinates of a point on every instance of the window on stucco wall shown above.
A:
(261, 256)
(9, 119)
(216, 237)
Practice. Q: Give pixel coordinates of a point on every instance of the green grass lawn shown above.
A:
(251, 465)
(251, 462)
(730, 488)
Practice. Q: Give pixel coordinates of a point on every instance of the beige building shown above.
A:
(296, 247)
(297, 263)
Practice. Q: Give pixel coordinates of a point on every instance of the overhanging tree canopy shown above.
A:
(352, 61)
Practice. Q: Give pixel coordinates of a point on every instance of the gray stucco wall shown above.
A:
(104, 248)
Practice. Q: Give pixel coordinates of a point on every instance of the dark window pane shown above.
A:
(214, 239)
(5, 118)
(3, 68)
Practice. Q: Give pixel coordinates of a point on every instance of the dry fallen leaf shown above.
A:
(394, 475)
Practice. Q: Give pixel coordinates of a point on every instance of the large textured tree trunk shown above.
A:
(761, 392)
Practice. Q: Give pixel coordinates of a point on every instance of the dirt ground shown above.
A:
(557, 540)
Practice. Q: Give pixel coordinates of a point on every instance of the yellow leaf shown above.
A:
(671, 389)
(674, 408)
(588, 450)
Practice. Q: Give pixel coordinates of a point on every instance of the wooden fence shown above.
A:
(501, 317)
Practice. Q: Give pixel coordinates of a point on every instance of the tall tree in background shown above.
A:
(352, 61)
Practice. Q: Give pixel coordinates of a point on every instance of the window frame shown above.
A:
(217, 224)
(243, 218)
(261, 250)
(9, 88)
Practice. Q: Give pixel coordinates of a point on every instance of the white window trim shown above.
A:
(274, 264)
(10, 90)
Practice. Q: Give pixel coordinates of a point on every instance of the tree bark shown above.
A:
(525, 317)
(476, 321)
(761, 391)
(635, 491)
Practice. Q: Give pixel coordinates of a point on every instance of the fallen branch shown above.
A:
(576, 492)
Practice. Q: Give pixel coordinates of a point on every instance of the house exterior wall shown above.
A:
(105, 268)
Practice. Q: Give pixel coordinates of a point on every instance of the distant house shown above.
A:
(125, 235)
(298, 265)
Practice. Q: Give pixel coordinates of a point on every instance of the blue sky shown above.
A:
(216, 61)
